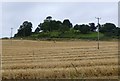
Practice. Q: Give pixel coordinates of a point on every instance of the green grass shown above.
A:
(67, 34)
(92, 35)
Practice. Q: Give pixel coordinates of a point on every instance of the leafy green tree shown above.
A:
(49, 26)
(37, 30)
(66, 25)
(55, 25)
(45, 26)
(108, 29)
(92, 27)
(49, 18)
(76, 27)
(59, 25)
(116, 31)
(25, 29)
(84, 29)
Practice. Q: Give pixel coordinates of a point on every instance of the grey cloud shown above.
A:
(14, 13)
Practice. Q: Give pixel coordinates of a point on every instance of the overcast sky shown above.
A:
(15, 13)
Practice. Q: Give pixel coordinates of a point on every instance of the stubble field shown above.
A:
(27, 59)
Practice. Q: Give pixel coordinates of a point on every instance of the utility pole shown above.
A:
(98, 18)
(11, 35)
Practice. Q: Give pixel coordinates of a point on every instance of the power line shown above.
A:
(98, 18)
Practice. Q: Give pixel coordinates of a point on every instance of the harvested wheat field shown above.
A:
(27, 59)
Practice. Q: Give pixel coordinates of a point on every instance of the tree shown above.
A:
(108, 29)
(84, 29)
(76, 27)
(116, 31)
(55, 25)
(92, 27)
(67, 23)
(45, 26)
(37, 30)
(59, 25)
(25, 29)
(49, 26)
(49, 18)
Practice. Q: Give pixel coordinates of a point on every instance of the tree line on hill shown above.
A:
(49, 25)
